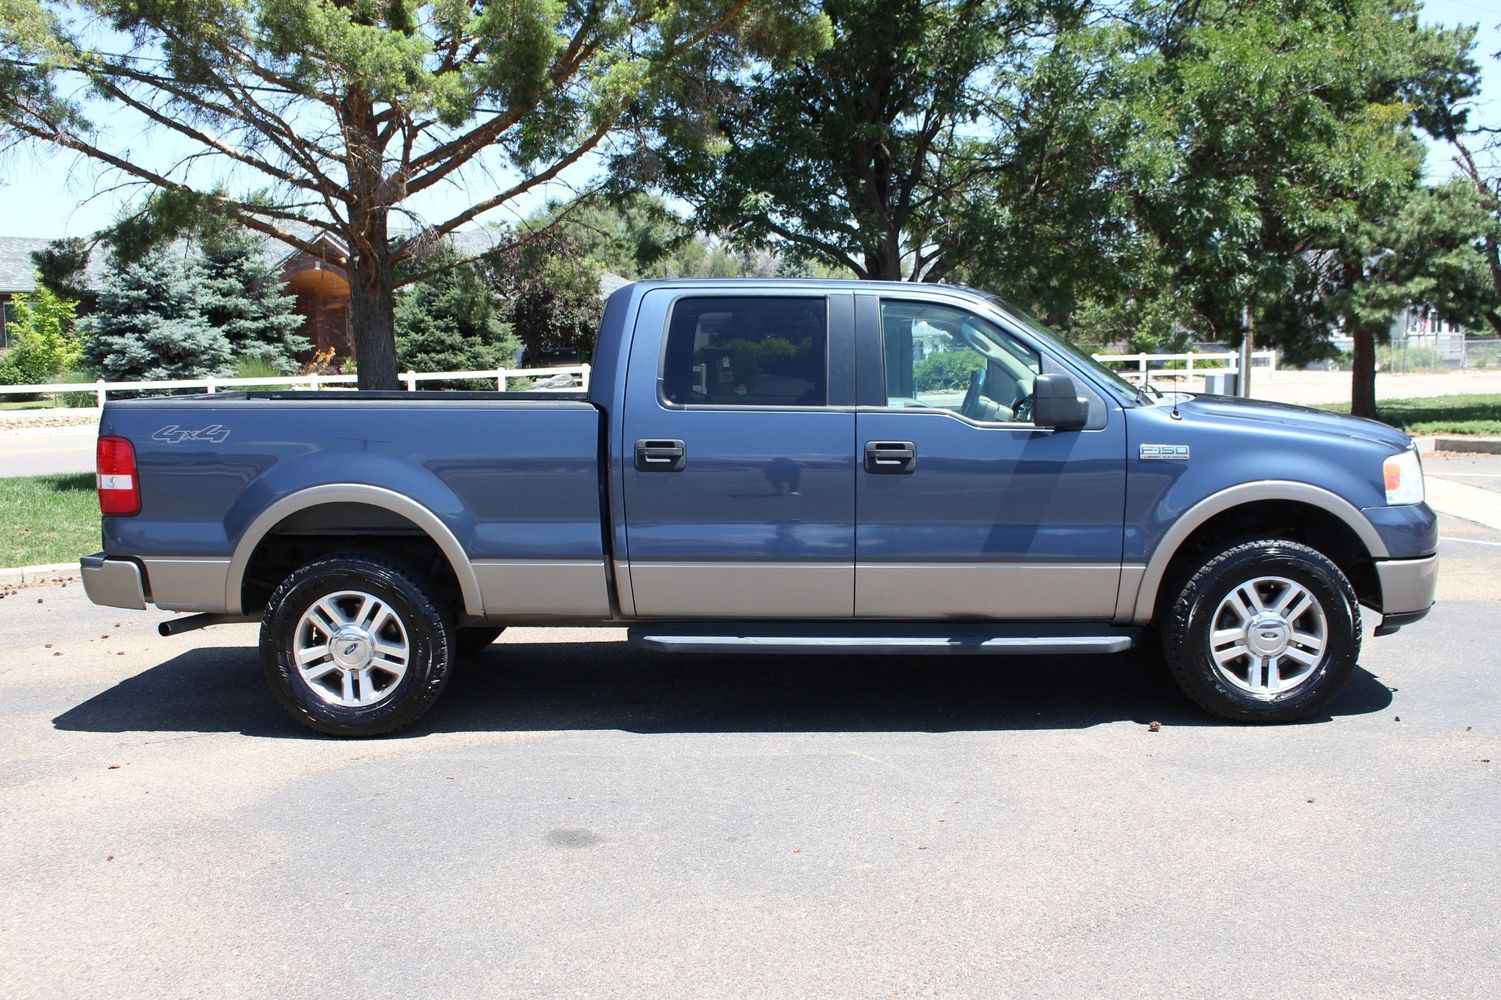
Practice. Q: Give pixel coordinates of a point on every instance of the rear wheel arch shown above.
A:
(424, 529)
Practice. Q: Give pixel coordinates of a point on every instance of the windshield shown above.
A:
(1112, 381)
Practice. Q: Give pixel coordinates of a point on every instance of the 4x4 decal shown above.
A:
(172, 434)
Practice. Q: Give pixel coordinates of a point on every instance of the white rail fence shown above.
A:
(1136, 366)
(101, 389)
(1155, 365)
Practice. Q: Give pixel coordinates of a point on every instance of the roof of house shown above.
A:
(18, 271)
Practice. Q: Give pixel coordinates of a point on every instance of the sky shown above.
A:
(53, 194)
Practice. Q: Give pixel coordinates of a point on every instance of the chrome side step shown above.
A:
(879, 638)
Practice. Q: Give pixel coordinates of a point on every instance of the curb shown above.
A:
(1467, 444)
(26, 575)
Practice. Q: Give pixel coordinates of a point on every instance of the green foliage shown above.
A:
(1478, 414)
(48, 519)
(244, 297)
(864, 153)
(451, 322)
(60, 267)
(333, 114)
(43, 343)
(946, 370)
(150, 324)
(553, 292)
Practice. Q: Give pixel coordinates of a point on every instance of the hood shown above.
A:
(1301, 418)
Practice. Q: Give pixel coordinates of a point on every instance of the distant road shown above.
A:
(44, 451)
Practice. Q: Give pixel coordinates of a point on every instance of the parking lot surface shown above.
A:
(579, 818)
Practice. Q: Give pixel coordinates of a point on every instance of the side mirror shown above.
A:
(1056, 403)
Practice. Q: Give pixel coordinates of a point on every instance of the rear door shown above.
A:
(739, 468)
(966, 508)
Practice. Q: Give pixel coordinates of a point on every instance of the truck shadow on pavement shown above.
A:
(529, 687)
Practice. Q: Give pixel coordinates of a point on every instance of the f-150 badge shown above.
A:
(1164, 452)
(172, 434)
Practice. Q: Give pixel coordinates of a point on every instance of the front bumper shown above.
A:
(1407, 586)
(114, 583)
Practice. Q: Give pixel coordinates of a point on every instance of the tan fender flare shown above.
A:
(1238, 496)
(374, 496)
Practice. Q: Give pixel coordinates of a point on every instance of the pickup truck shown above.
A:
(773, 467)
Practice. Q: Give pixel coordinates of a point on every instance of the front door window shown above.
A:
(940, 357)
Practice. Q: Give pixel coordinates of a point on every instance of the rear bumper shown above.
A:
(114, 583)
(1407, 586)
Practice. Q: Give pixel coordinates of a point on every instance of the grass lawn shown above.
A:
(1438, 414)
(47, 519)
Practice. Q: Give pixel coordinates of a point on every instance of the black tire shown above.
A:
(1191, 618)
(474, 639)
(422, 626)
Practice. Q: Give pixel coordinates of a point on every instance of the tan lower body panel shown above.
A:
(1030, 591)
(188, 584)
(743, 590)
(543, 588)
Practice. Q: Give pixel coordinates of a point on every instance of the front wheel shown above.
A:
(1266, 631)
(353, 645)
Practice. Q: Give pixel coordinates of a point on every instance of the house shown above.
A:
(18, 276)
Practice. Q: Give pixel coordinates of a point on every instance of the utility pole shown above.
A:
(1246, 337)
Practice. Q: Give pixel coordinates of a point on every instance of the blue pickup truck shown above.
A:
(773, 467)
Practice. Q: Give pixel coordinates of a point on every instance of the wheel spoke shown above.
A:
(366, 601)
(1219, 637)
(1273, 675)
(388, 650)
(1245, 602)
(1224, 657)
(320, 670)
(307, 655)
(367, 684)
(347, 687)
(332, 616)
(1303, 656)
(1299, 609)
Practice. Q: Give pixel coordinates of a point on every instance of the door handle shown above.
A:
(894, 457)
(660, 455)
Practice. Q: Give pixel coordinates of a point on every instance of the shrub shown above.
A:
(946, 370)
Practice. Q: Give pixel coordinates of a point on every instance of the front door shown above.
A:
(739, 477)
(966, 508)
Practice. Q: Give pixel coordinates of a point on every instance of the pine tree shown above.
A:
(150, 324)
(244, 297)
(450, 322)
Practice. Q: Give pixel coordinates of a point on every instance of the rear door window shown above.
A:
(746, 351)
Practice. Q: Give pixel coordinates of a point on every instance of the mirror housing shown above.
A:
(1056, 403)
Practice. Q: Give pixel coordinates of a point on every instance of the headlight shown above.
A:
(1404, 478)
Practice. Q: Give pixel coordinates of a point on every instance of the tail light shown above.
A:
(119, 489)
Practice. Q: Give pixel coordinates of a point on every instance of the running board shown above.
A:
(876, 638)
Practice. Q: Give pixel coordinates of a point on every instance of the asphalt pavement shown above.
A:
(43, 451)
(1480, 471)
(580, 818)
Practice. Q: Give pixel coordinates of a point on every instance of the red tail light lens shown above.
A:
(119, 488)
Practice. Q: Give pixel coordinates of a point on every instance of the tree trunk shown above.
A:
(372, 311)
(1363, 372)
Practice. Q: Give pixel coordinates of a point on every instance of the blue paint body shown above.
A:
(523, 478)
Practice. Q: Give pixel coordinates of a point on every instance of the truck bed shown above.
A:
(514, 479)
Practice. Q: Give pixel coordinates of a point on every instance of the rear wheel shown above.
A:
(353, 645)
(1266, 631)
